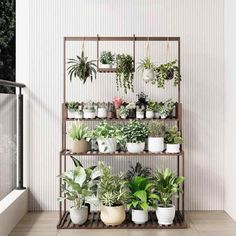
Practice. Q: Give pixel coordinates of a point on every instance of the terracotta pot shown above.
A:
(79, 146)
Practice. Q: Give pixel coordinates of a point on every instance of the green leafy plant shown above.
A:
(142, 193)
(134, 132)
(107, 57)
(145, 63)
(137, 170)
(156, 129)
(78, 131)
(124, 72)
(165, 72)
(112, 188)
(173, 136)
(106, 130)
(124, 111)
(151, 105)
(167, 185)
(166, 108)
(72, 106)
(81, 68)
(80, 185)
(89, 106)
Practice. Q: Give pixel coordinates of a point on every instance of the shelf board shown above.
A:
(96, 153)
(106, 70)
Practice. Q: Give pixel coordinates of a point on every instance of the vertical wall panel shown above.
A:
(200, 26)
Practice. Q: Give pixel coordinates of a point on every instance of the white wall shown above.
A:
(230, 109)
(200, 26)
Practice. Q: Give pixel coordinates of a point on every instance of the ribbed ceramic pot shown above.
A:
(172, 148)
(135, 147)
(165, 215)
(139, 216)
(155, 144)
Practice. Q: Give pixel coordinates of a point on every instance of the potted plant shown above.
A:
(168, 71)
(140, 112)
(173, 140)
(146, 66)
(134, 134)
(72, 110)
(107, 59)
(151, 105)
(112, 192)
(80, 112)
(124, 72)
(137, 170)
(106, 136)
(117, 101)
(156, 137)
(142, 100)
(102, 111)
(89, 111)
(111, 111)
(132, 110)
(166, 108)
(81, 68)
(167, 186)
(157, 109)
(80, 187)
(79, 133)
(124, 112)
(141, 197)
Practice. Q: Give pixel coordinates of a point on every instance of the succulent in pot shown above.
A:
(140, 112)
(102, 111)
(112, 192)
(135, 133)
(80, 187)
(132, 110)
(146, 66)
(107, 59)
(167, 186)
(141, 197)
(166, 108)
(82, 68)
(173, 140)
(89, 110)
(72, 110)
(106, 136)
(124, 112)
(79, 132)
(117, 101)
(156, 137)
(150, 109)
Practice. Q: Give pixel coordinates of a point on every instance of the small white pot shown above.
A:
(157, 115)
(80, 115)
(165, 216)
(73, 114)
(139, 216)
(148, 75)
(79, 215)
(155, 144)
(107, 145)
(149, 114)
(172, 148)
(163, 116)
(107, 66)
(135, 147)
(102, 112)
(123, 116)
(139, 114)
(89, 114)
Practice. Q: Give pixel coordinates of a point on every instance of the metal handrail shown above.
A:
(11, 84)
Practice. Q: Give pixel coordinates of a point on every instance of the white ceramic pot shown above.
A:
(89, 114)
(148, 75)
(102, 112)
(165, 216)
(149, 114)
(139, 114)
(79, 146)
(157, 115)
(172, 148)
(135, 147)
(155, 144)
(107, 66)
(163, 116)
(107, 145)
(72, 114)
(112, 215)
(139, 216)
(79, 215)
(123, 116)
(80, 115)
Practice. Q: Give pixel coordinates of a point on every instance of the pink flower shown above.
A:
(117, 101)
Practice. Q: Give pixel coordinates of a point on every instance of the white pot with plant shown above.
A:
(173, 140)
(102, 111)
(79, 133)
(112, 194)
(79, 186)
(107, 59)
(151, 105)
(135, 134)
(140, 112)
(106, 136)
(146, 66)
(124, 112)
(89, 111)
(141, 197)
(156, 137)
(166, 108)
(167, 186)
(72, 110)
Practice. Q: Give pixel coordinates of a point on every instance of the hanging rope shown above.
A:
(148, 51)
(167, 56)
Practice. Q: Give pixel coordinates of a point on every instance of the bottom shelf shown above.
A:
(94, 222)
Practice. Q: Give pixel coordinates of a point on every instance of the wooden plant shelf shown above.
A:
(94, 222)
(96, 153)
(106, 70)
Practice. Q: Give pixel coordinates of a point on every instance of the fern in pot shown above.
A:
(106, 136)
(141, 197)
(173, 140)
(113, 194)
(107, 59)
(134, 134)
(80, 187)
(167, 186)
(146, 66)
(79, 132)
(156, 137)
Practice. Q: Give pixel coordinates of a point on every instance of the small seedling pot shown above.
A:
(172, 148)
(165, 215)
(139, 216)
(149, 114)
(135, 147)
(89, 114)
(79, 215)
(71, 114)
(102, 112)
(139, 114)
(157, 115)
